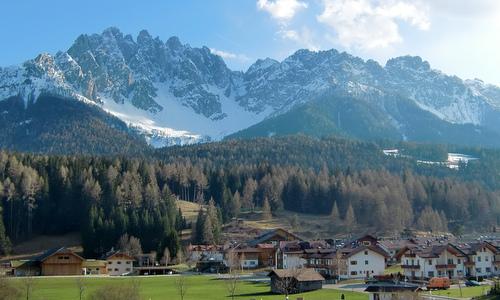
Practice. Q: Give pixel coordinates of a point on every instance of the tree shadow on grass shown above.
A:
(269, 293)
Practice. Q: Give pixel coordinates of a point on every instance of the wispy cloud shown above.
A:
(282, 10)
(230, 56)
(304, 37)
(369, 24)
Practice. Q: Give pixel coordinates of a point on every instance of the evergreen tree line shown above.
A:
(101, 198)
(105, 198)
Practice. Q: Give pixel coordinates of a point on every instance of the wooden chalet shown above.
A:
(274, 236)
(94, 267)
(61, 261)
(292, 281)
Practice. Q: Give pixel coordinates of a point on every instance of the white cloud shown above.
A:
(303, 37)
(282, 10)
(369, 24)
(229, 55)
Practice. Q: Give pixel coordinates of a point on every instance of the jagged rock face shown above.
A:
(116, 66)
(160, 80)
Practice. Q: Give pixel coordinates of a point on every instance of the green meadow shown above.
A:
(164, 288)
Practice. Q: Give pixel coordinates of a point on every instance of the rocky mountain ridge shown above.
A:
(173, 93)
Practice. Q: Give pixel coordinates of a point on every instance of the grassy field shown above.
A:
(393, 270)
(467, 292)
(163, 288)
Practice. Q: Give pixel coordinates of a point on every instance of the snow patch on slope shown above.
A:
(179, 124)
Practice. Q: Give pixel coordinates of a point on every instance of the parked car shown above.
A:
(439, 283)
(472, 283)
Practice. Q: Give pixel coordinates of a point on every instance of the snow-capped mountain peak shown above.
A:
(174, 93)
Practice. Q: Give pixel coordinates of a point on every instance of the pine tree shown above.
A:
(334, 217)
(350, 219)
(213, 214)
(197, 232)
(5, 245)
(235, 204)
(208, 232)
(266, 210)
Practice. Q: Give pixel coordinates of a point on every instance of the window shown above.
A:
(354, 273)
(119, 262)
(110, 269)
(128, 262)
(486, 258)
(479, 258)
(459, 261)
(116, 269)
(430, 274)
(127, 269)
(366, 252)
(252, 263)
(366, 243)
(366, 262)
(450, 261)
(488, 270)
(430, 262)
(478, 270)
(354, 262)
(110, 262)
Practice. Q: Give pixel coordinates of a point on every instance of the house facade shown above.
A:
(292, 281)
(94, 267)
(481, 259)
(119, 263)
(433, 261)
(363, 262)
(62, 262)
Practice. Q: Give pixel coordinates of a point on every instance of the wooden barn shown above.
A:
(94, 267)
(61, 261)
(292, 281)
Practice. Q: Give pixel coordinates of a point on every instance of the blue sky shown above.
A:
(460, 37)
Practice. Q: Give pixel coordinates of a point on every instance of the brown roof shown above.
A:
(348, 252)
(62, 250)
(117, 254)
(433, 251)
(298, 274)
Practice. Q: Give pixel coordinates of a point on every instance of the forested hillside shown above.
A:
(397, 119)
(354, 182)
(57, 125)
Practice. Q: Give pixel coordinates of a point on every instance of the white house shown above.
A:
(293, 259)
(444, 260)
(119, 263)
(481, 260)
(363, 261)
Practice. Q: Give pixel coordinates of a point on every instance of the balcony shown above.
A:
(446, 266)
(411, 267)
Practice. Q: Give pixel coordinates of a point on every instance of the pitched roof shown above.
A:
(264, 237)
(433, 251)
(298, 274)
(389, 287)
(55, 251)
(93, 263)
(111, 254)
(348, 252)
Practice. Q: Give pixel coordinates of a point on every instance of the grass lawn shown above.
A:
(393, 270)
(163, 288)
(467, 292)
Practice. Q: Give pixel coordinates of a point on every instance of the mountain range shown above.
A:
(169, 93)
